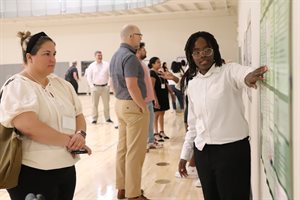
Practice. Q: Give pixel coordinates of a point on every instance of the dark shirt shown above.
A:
(69, 74)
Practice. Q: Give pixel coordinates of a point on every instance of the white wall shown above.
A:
(77, 39)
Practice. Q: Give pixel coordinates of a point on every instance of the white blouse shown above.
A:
(216, 109)
(57, 102)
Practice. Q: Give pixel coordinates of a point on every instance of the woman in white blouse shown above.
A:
(217, 129)
(47, 111)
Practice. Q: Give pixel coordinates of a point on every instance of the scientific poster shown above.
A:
(275, 101)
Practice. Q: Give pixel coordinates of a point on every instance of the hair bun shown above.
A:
(23, 35)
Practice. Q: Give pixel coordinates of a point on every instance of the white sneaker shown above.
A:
(177, 175)
(192, 172)
(197, 183)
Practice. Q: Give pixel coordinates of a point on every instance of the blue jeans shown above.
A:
(151, 119)
(179, 96)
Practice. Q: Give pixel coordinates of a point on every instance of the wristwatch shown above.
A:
(82, 133)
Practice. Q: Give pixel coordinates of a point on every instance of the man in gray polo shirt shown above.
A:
(127, 76)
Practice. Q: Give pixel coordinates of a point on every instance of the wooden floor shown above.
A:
(96, 173)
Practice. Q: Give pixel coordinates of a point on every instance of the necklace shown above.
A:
(35, 80)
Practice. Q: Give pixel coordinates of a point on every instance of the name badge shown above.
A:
(68, 123)
(163, 86)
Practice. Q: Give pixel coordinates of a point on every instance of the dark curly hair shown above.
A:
(190, 44)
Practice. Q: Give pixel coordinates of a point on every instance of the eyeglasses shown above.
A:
(139, 34)
(205, 52)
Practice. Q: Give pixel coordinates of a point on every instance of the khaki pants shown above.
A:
(131, 151)
(98, 92)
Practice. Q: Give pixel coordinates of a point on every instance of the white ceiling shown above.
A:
(211, 7)
(206, 7)
(170, 8)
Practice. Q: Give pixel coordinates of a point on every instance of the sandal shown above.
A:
(158, 137)
(163, 135)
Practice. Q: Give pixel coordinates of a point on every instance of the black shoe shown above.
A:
(109, 121)
(94, 122)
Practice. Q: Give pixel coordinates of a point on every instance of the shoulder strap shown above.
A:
(19, 134)
(5, 84)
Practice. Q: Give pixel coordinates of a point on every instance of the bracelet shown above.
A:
(82, 133)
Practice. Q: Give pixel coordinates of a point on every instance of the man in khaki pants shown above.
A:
(98, 80)
(127, 76)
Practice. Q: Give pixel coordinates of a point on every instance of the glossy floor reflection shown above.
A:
(96, 173)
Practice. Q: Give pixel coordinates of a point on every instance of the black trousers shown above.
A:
(224, 170)
(58, 184)
(75, 85)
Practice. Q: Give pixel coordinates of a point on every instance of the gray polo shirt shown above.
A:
(124, 63)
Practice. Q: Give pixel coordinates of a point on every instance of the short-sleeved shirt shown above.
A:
(69, 74)
(148, 82)
(52, 104)
(124, 63)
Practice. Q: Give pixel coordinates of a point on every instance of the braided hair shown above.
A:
(190, 44)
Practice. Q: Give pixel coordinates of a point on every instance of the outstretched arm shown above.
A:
(255, 75)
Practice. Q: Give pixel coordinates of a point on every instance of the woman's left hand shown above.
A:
(76, 142)
(254, 76)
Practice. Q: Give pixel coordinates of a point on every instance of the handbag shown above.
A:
(10, 155)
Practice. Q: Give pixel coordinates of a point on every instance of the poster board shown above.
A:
(275, 100)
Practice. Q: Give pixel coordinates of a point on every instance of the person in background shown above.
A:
(72, 76)
(88, 91)
(184, 65)
(178, 72)
(150, 98)
(218, 132)
(164, 67)
(171, 84)
(128, 79)
(48, 113)
(98, 80)
(161, 91)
